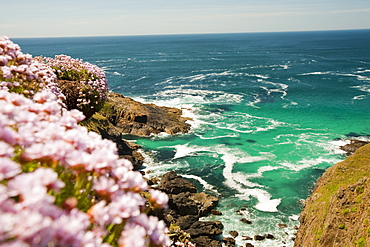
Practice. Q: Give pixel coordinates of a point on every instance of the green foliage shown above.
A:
(178, 235)
(341, 226)
(360, 190)
(361, 242)
(74, 74)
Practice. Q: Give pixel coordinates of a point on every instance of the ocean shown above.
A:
(269, 112)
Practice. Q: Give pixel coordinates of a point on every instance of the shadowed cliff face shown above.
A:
(338, 211)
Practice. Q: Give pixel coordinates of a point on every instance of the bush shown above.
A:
(21, 74)
(83, 84)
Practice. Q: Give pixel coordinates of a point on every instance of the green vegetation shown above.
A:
(337, 179)
(342, 226)
(361, 242)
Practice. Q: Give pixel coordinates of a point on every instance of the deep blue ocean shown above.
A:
(269, 111)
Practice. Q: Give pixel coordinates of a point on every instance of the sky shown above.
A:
(69, 18)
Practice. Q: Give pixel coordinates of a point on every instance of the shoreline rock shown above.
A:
(135, 118)
(353, 146)
(186, 206)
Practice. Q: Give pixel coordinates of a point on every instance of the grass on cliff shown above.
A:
(335, 179)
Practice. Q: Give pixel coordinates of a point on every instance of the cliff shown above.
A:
(338, 211)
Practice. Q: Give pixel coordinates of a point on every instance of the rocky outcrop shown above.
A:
(135, 118)
(122, 115)
(186, 206)
(353, 146)
(337, 213)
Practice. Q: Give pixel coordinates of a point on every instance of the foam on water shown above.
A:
(205, 184)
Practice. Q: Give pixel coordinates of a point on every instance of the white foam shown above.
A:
(265, 203)
(317, 73)
(363, 88)
(204, 183)
(360, 97)
(307, 163)
(294, 217)
(257, 75)
(187, 150)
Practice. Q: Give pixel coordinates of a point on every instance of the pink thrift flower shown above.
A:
(8, 168)
(158, 198)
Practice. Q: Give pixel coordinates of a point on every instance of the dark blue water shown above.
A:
(269, 111)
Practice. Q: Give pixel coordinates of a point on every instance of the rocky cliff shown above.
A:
(338, 211)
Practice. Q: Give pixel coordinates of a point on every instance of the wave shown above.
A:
(236, 180)
(317, 73)
(363, 88)
(205, 184)
(308, 163)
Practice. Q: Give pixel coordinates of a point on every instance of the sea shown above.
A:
(268, 111)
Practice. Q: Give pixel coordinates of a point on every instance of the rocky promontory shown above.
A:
(123, 115)
(135, 118)
(338, 211)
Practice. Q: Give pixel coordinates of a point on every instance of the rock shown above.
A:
(205, 228)
(249, 245)
(215, 212)
(353, 146)
(205, 241)
(172, 183)
(246, 221)
(269, 236)
(185, 222)
(229, 242)
(182, 204)
(247, 238)
(234, 234)
(182, 196)
(153, 181)
(283, 225)
(204, 202)
(136, 118)
(259, 237)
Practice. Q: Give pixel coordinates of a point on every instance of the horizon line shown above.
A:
(200, 33)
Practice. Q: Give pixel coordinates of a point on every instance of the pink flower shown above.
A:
(8, 168)
(158, 198)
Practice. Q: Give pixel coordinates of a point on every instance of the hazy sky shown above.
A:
(41, 18)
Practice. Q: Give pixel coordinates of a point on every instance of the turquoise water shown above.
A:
(269, 111)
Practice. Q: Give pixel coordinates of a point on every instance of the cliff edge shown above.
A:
(338, 211)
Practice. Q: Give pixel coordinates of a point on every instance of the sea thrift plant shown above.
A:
(84, 84)
(61, 185)
(22, 74)
(64, 186)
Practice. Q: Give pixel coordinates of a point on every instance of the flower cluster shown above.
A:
(61, 185)
(22, 74)
(84, 84)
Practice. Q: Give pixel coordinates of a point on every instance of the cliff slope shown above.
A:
(338, 211)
